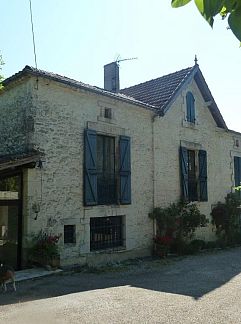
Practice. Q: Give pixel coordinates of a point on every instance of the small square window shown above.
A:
(108, 113)
(69, 234)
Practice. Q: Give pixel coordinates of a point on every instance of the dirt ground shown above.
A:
(205, 288)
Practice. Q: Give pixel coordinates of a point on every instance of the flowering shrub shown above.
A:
(226, 219)
(162, 245)
(164, 240)
(44, 246)
(176, 224)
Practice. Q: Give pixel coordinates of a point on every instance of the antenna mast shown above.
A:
(127, 59)
(34, 48)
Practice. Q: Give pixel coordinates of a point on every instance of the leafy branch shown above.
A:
(230, 9)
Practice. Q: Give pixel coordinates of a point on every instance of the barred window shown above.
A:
(106, 232)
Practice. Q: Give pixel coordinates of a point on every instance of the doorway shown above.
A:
(11, 219)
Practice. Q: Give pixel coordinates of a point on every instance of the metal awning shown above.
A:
(18, 160)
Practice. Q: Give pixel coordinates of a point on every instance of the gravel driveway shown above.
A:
(197, 289)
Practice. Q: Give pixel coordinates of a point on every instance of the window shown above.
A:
(237, 171)
(192, 177)
(193, 165)
(106, 232)
(108, 113)
(107, 180)
(69, 234)
(190, 105)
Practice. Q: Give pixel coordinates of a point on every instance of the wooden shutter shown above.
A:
(190, 101)
(125, 170)
(184, 172)
(203, 175)
(90, 169)
(237, 171)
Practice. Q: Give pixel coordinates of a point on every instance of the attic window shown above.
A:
(108, 113)
(237, 143)
(190, 104)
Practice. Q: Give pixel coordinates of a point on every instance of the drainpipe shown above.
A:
(153, 173)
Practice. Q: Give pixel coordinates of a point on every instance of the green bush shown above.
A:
(43, 247)
(179, 222)
(226, 219)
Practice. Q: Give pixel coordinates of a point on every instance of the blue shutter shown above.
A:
(90, 169)
(237, 171)
(203, 175)
(125, 170)
(184, 172)
(190, 102)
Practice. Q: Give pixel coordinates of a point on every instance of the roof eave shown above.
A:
(179, 89)
(33, 72)
(206, 93)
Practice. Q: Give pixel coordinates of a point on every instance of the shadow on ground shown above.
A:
(192, 276)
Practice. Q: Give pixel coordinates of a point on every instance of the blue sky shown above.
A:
(76, 38)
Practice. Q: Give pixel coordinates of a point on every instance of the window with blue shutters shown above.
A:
(190, 108)
(107, 180)
(90, 168)
(203, 187)
(193, 169)
(237, 171)
(125, 170)
(106, 175)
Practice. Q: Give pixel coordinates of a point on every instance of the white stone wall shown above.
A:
(171, 131)
(15, 119)
(58, 115)
(62, 114)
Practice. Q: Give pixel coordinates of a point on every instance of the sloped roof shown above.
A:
(19, 159)
(156, 95)
(158, 92)
(162, 92)
(29, 70)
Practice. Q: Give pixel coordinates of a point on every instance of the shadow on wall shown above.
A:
(191, 276)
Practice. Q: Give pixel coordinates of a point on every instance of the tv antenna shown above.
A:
(118, 60)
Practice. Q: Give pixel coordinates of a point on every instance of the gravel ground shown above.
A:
(197, 289)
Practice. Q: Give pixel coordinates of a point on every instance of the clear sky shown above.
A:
(76, 38)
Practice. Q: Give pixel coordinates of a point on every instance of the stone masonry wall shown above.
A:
(171, 131)
(16, 122)
(62, 114)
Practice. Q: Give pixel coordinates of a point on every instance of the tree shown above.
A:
(1, 77)
(230, 9)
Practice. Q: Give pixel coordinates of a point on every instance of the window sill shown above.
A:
(107, 206)
(190, 125)
(106, 120)
(109, 251)
(69, 245)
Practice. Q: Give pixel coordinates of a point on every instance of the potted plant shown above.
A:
(44, 250)
(162, 245)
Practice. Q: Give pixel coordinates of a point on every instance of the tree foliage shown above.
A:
(230, 9)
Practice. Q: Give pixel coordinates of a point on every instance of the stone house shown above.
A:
(91, 163)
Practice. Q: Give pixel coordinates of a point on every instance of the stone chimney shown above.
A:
(111, 77)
